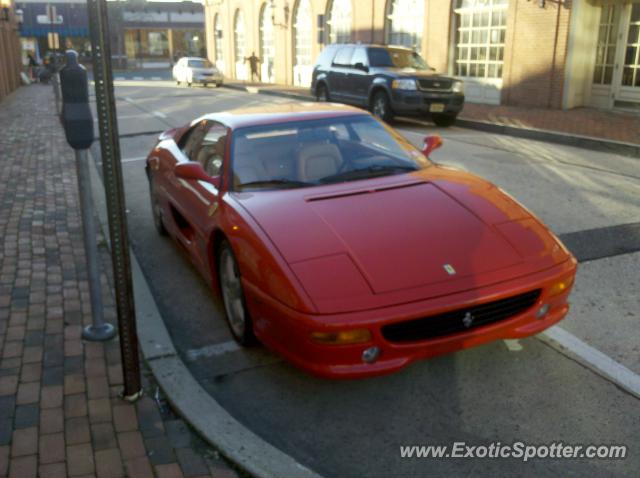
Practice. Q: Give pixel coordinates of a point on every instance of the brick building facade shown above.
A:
(539, 53)
(10, 65)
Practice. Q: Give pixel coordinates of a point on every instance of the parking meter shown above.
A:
(76, 113)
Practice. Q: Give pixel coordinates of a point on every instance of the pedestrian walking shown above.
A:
(253, 64)
(32, 66)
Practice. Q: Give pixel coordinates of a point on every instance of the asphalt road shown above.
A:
(505, 391)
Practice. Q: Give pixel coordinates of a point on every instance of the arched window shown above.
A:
(239, 45)
(267, 48)
(480, 37)
(339, 21)
(217, 32)
(302, 33)
(405, 23)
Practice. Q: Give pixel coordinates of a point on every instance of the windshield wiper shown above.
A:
(276, 182)
(368, 172)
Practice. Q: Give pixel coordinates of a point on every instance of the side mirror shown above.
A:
(193, 170)
(361, 66)
(431, 143)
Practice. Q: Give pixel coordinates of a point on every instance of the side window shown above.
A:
(211, 151)
(191, 140)
(326, 56)
(359, 56)
(343, 57)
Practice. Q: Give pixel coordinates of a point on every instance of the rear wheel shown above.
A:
(381, 106)
(235, 306)
(178, 82)
(443, 119)
(322, 94)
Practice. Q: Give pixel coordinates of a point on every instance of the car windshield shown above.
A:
(396, 58)
(314, 152)
(200, 64)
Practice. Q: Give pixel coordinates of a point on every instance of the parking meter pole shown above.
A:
(77, 121)
(99, 330)
(114, 191)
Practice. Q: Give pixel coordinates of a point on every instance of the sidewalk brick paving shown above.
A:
(60, 414)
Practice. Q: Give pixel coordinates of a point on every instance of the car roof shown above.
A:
(370, 45)
(281, 113)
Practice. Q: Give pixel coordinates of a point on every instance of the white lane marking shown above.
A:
(592, 358)
(513, 345)
(126, 98)
(131, 160)
(214, 350)
(159, 114)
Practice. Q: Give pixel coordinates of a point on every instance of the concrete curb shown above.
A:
(568, 139)
(236, 442)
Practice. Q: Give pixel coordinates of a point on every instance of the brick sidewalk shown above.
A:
(60, 414)
(597, 123)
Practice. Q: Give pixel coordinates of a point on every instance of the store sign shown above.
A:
(50, 20)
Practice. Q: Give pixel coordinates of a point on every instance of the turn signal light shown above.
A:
(560, 286)
(344, 337)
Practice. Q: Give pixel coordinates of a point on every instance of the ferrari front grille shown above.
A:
(460, 320)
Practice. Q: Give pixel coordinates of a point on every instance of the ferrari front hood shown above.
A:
(401, 238)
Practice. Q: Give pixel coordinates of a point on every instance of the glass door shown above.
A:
(627, 83)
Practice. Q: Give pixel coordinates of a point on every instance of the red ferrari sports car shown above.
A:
(342, 247)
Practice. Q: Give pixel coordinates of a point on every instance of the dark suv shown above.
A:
(388, 80)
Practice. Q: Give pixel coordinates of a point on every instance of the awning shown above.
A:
(43, 31)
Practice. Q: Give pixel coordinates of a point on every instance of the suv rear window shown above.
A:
(326, 57)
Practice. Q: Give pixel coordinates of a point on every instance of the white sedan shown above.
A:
(196, 70)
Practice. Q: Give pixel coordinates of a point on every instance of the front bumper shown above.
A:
(288, 332)
(208, 79)
(419, 102)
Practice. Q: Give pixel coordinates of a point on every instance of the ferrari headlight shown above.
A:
(457, 87)
(344, 337)
(404, 85)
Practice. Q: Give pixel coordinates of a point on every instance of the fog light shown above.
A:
(371, 354)
(356, 336)
(542, 311)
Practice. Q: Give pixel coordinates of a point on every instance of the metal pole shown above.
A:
(99, 330)
(114, 191)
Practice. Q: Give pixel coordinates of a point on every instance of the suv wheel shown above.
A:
(381, 106)
(322, 94)
(443, 119)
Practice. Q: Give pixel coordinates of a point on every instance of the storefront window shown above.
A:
(267, 50)
(239, 45)
(405, 23)
(481, 32)
(217, 29)
(339, 21)
(631, 71)
(302, 26)
(606, 48)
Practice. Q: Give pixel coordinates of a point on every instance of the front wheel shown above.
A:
(381, 106)
(156, 210)
(235, 306)
(443, 120)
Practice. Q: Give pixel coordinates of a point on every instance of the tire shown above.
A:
(381, 106)
(189, 84)
(156, 211)
(322, 94)
(443, 120)
(177, 82)
(218, 85)
(238, 318)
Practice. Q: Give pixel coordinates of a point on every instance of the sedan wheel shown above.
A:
(233, 296)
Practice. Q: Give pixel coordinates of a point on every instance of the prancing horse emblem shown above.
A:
(450, 270)
(467, 320)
